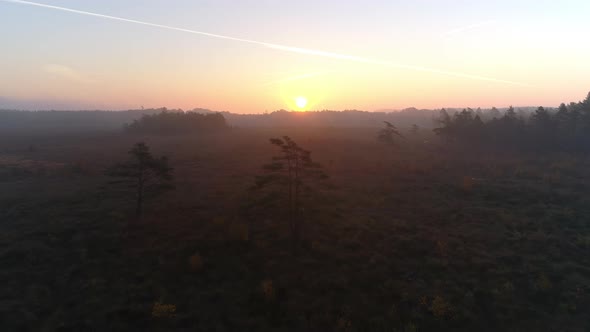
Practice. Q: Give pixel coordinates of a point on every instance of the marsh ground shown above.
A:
(421, 237)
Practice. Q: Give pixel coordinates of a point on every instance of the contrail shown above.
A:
(286, 48)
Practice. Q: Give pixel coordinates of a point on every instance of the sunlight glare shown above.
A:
(301, 102)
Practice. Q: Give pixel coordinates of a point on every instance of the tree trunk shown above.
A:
(139, 205)
(290, 202)
(296, 221)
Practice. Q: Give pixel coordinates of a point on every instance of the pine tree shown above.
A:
(293, 172)
(388, 134)
(145, 175)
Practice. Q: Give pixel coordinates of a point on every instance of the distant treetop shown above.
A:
(177, 123)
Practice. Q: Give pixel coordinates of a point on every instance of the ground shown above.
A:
(422, 236)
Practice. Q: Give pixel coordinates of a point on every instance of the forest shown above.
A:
(176, 123)
(417, 220)
(566, 129)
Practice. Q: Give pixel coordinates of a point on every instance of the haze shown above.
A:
(446, 54)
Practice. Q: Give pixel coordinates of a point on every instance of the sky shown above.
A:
(248, 56)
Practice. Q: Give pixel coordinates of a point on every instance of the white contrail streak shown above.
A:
(286, 48)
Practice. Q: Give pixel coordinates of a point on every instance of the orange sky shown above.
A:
(262, 55)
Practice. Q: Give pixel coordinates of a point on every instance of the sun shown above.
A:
(301, 102)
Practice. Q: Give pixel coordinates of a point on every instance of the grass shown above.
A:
(423, 237)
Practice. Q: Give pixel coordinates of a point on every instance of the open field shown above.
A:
(421, 237)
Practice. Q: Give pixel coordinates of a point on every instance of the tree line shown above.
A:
(177, 122)
(566, 128)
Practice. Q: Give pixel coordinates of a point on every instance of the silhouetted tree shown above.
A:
(292, 171)
(415, 129)
(177, 122)
(507, 129)
(510, 114)
(562, 118)
(542, 127)
(463, 125)
(494, 113)
(445, 123)
(564, 129)
(479, 112)
(583, 109)
(389, 134)
(144, 174)
(541, 118)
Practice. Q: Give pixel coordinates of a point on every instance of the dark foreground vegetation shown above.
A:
(326, 229)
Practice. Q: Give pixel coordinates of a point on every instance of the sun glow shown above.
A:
(301, 102)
